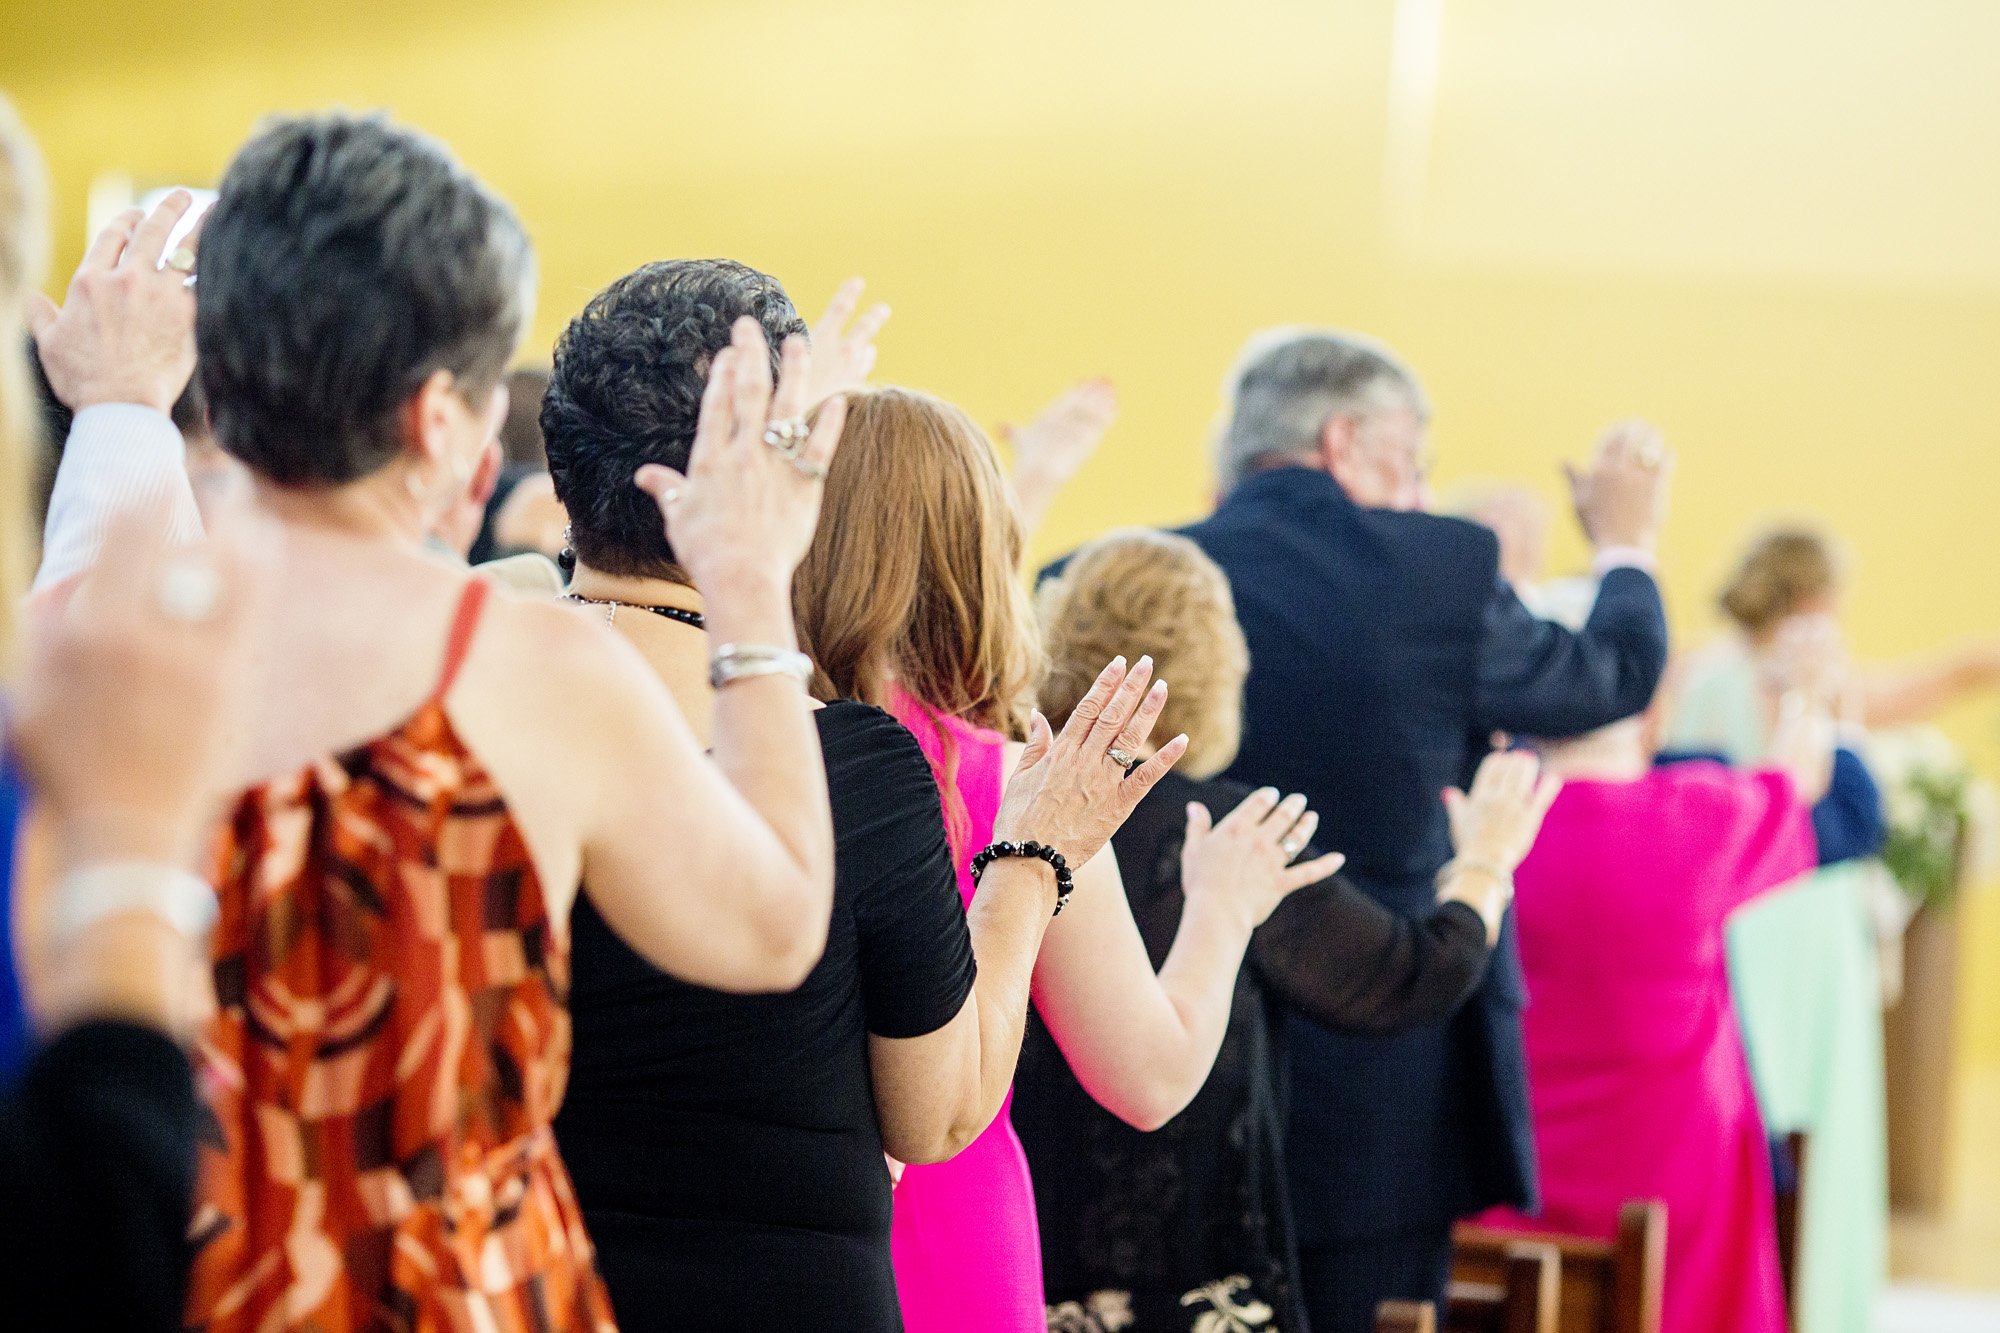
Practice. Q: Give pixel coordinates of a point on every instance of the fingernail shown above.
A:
(1146, 662)
(1159, 689)
(1117, 664)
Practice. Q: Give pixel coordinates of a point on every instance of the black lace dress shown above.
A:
(1189, 1228)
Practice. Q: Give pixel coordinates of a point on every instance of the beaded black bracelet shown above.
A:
(1064, 883)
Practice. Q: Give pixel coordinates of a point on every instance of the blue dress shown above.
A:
(13, 1016)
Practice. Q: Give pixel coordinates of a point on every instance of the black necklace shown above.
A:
(611, 605)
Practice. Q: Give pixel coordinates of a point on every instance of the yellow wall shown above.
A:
(1772, 227)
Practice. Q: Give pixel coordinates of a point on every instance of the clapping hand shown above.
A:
(1247, 858)
(742, 517)
(1071, 792)
(1621, 500)
(844, 353)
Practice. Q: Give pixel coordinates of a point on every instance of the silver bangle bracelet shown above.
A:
(1503, 878)
(744, 661)
(89, 894)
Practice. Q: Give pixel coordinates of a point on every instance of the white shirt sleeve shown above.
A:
(119, 456)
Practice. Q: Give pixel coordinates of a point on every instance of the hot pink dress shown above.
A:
(1636, 1069)
(967, 1250)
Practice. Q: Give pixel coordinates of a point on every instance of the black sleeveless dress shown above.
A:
(725, 1147)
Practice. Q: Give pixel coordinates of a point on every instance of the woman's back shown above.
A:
(389, 1047)
(730, 1141)
(968, 1254)
(1641, 1089)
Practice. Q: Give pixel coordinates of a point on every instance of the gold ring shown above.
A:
(1120, 758)
(181, 260)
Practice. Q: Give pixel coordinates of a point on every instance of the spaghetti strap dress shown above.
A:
(964, 1239)
(389, 1049)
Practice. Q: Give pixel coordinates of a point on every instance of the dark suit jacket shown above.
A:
(1384, 651)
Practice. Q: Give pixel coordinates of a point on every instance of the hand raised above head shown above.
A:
(125, 330)
(1071, 792)
(1621, 499)
(743, 515)
(844, 353)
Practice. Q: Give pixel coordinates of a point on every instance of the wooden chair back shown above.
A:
(1406, 1317)
(1604, 1286)
(1790, 1191)
(1522, 1296)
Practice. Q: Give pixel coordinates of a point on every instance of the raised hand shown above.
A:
(844, 353)
(1809, 656)
(1622, 499)
(1071, 792)
(1245, 861)
(1049, 450)
(129, 707)
(125, 331)
(742, 517)
(1494, 826)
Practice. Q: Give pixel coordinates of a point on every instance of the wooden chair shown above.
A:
(1524, 1298)
(1787, 1201)
(1604, 1286)
(1406, 1317)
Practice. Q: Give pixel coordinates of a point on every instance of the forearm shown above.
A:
(1034, 491)
(1198, 981)
(1917, 691)
(1802, 745)
(764, 741)
(118, 457)
(934, 1114)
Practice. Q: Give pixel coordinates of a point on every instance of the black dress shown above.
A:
(1146, 1232)
(97, 1147)
(725, 1147)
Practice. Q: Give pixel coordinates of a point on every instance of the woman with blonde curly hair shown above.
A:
(1177, 1228)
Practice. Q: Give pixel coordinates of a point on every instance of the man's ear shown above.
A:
(1336, 443)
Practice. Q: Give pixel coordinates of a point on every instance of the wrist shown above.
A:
(1218, 911)
(106, 833)
(1013, 875)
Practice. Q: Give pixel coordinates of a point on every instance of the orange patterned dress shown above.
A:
(390, 1047)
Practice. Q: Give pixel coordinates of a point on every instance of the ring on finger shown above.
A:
(181, 260)
(787, 436)
(806, 468)
(189, 590)
(1291, 846)
(1122, 758)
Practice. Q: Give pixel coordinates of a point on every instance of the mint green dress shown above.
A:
(1807, 983)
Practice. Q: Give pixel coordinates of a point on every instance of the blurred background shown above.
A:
(1772, 227)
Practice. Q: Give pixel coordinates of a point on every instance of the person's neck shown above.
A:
(632, 589)
(373, 509)
(1614, 754)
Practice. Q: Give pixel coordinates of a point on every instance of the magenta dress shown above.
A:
(967, 1250)
(1636, 1069)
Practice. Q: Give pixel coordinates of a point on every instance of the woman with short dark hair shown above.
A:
(728, 1149)
(417, 811)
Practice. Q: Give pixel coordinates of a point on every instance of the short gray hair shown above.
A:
(1288, 381)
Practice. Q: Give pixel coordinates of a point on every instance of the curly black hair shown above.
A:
(626, 390)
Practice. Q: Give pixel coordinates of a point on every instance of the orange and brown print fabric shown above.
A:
(390, 1047)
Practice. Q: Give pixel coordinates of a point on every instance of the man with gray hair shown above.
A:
(1385, 651)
